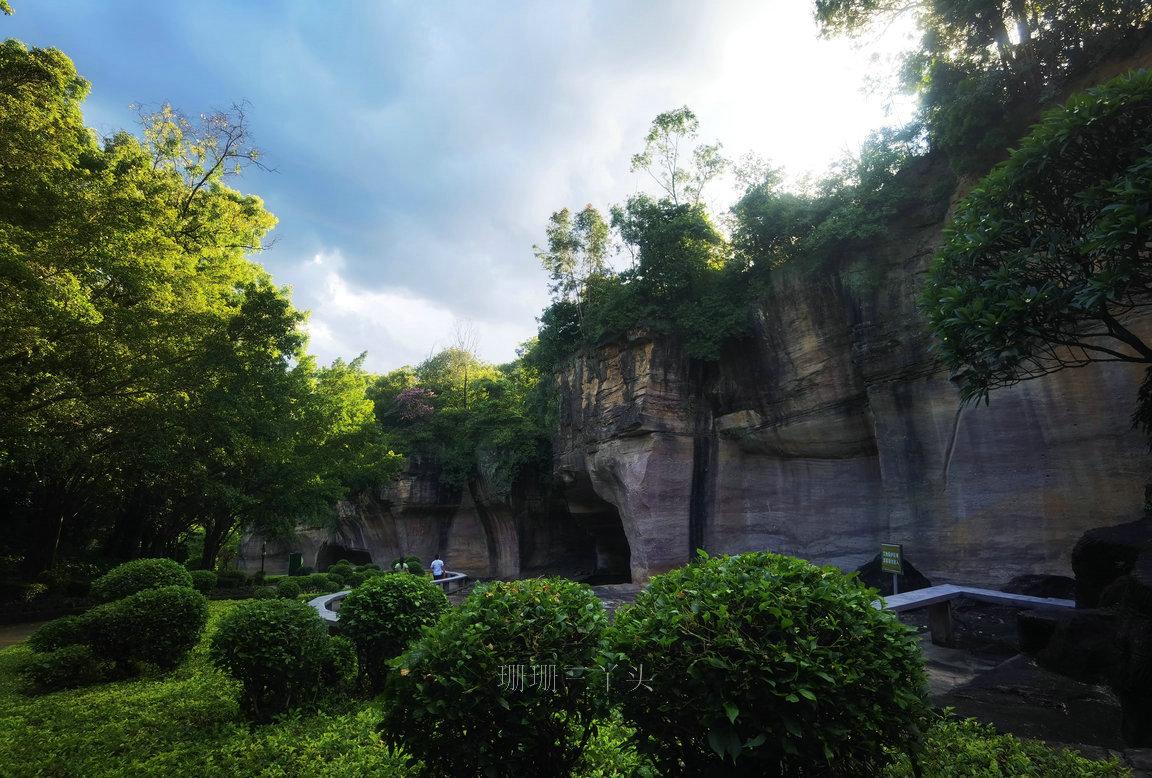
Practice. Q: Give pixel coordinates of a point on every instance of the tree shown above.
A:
(984, 66)
(577, 249)
(1049, 259)
(666, 159)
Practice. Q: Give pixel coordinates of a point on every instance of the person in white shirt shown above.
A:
(437, 568)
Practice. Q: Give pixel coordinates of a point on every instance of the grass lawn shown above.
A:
(185, 723)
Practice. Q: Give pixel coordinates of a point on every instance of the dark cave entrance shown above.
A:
(613, 554)
(331, 553)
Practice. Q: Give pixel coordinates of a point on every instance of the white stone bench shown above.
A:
(938, 600)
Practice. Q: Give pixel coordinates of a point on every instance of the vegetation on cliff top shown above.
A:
(982, 70)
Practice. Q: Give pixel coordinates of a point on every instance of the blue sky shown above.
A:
(420, 147)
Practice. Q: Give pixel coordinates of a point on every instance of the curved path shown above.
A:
(323, 604)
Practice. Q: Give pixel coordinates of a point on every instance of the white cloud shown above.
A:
(394, 325)
(430, 141)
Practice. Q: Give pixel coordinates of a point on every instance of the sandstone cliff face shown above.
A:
(833, 429)
(526, 533)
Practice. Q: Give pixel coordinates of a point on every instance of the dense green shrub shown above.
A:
(159, 626)
(770, 661)
(65, 631)
(265, 592)
(342, 570)
(383, 615)
(203, 581)
(319, 582)
(231, 579)
(279, 651)
(453, 701)
(138, 575)
(336, 583)
(67, 667)
(415, 566)
(340, 667)
(968, 749)
(289, 589)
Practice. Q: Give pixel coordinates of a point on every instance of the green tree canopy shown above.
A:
(1049, 259)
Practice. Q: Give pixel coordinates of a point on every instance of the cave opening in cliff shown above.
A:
(331, 553)
(613, 554)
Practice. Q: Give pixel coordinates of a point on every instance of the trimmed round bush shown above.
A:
(289, 589)
(159, 626)
(231, 579)
(770, 661)
(383, 615)
(265, 592)
(280, 652)
(507, 683)
(203, 581)
(415, 566)
(138, 575)
(316, 582)
(64, 631)
(342, 570)
(67, 667)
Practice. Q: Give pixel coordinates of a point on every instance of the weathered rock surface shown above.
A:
(834, 429)
(526, 533)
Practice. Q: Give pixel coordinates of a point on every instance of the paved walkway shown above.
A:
(11, 634)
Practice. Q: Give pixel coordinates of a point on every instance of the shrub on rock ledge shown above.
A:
(767, 663)
(504, 684)
(383, 615)
(138, 575)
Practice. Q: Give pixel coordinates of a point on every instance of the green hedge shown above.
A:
(67, 667)
(203, 581)
(771, 662)
(158, 626)
(384, 614)
(280, 652)
(454, 699)
(138, 575)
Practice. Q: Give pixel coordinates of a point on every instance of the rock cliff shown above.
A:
(833, 429)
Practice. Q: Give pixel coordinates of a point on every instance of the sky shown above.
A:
(418, 148)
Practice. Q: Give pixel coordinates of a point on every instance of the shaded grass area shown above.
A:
(184, 723)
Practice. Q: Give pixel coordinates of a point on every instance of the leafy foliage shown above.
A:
(154, 380)
(278, 650)
(984, 66)
(1047, 260)
(67, 667)
(965, 748)
(770, 662)
(384, 614)
(289, 589)
(203, 581)
(158, 626)
(138, 575)
(445, 702)
(64, 631)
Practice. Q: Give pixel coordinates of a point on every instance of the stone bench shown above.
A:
(938, 601)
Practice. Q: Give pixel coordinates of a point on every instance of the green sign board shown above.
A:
(892, 558)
